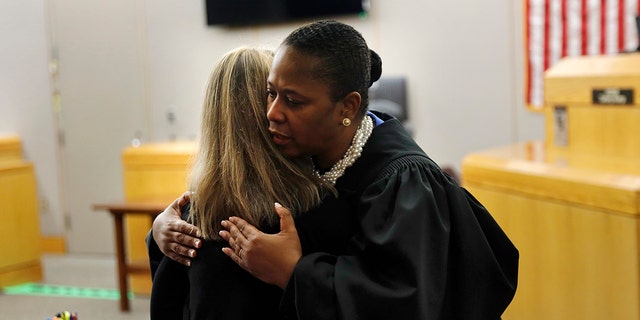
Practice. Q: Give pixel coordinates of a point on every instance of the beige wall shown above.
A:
(463, 62)
(25, 99)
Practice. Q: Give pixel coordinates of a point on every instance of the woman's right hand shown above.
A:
(176, 238)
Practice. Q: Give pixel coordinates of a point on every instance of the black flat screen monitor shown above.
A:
(254, 12)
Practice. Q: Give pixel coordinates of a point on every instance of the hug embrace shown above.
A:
(306, 205)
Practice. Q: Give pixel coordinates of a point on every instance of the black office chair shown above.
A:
(389, 95)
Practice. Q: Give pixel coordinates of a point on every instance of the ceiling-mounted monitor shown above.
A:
(255, 12)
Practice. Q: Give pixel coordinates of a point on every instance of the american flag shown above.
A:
(559, 28)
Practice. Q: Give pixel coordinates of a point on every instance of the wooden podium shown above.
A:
(19, 223)
(155, 173)
(571, 203)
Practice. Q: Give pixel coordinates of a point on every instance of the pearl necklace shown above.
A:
(353, 153)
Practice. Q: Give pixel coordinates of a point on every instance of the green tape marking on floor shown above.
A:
(36, 289)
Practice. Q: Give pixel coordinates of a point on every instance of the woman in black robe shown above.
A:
(401, 240)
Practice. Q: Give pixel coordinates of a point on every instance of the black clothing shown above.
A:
(401, 241)
(214, 287)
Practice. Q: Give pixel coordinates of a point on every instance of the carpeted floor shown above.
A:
(84, 284)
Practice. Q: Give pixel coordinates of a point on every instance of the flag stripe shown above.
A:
(603, 26)
(574, 20)
(556, 35)
(565, 19)
(527, 51)
(611, 19)
(547, 27)
(621, 22)
(584, 25)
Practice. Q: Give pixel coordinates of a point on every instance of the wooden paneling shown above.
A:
(572, 206)
(577, 229)
(571, 79)
(20, 245)
(594, 129)
(575, 262)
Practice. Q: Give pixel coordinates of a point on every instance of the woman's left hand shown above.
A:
(269, 257)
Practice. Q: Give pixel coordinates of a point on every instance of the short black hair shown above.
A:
(346, 62)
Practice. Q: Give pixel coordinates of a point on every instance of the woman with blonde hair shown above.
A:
(238, 171)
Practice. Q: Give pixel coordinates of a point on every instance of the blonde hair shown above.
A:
(238, 171)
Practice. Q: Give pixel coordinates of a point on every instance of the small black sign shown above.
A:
(614, 96)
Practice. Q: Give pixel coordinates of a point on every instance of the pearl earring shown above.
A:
(346, 122)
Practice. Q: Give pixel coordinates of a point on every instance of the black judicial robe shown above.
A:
(401, 241)
(214, 287)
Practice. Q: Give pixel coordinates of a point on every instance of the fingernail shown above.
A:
(224, 223)
(189, 263)
(192, 253)
(277, 204)
(196, 243)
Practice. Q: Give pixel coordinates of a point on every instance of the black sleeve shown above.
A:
(170, 291)
(421, 253)
(153, 251)
(155, 255)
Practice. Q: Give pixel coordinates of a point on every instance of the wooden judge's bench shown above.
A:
(571, 203)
